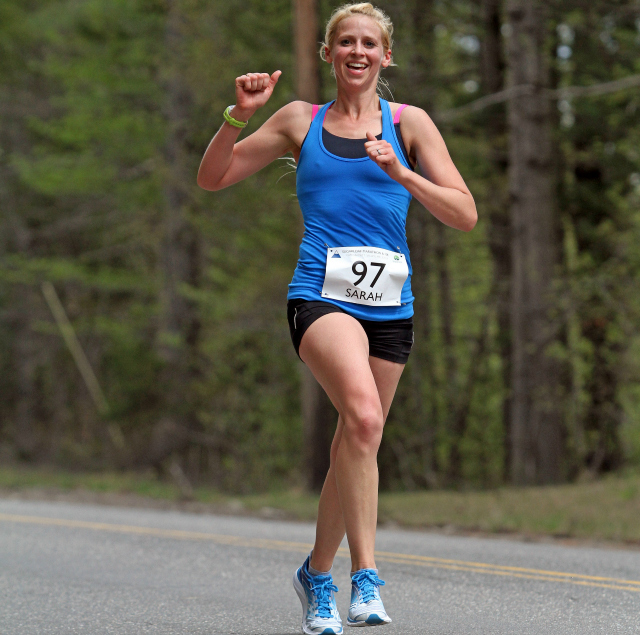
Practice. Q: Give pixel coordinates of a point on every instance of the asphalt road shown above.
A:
(91, 569)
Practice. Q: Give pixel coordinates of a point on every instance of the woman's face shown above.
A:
(357, 53)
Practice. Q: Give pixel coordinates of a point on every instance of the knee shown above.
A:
(363, 427)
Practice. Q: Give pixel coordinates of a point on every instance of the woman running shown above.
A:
(350, 304)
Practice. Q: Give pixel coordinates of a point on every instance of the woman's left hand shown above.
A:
(381, 152)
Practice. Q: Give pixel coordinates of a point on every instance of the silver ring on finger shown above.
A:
(379, 151)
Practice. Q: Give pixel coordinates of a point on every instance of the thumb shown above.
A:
(371, 137)
(274, 78)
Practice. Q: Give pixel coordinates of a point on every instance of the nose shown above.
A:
(358, 48)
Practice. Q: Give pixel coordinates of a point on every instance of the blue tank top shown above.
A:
(349, 203)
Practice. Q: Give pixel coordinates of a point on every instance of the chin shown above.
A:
(348, 80)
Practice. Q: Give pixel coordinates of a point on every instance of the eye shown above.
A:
(344, 42)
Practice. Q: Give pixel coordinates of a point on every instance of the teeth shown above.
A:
(356, 65)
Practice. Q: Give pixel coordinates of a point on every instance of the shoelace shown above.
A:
(367, 582)
(322, 587)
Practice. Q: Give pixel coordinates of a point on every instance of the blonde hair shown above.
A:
(358, 8)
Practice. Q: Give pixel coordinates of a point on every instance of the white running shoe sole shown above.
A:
(377, 621)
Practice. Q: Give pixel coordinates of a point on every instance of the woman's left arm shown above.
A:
(441, 189)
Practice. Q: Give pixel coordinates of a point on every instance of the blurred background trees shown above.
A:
(525, 364)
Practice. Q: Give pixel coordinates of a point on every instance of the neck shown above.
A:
(357, 104)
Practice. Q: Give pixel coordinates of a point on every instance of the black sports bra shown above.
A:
(354, 148)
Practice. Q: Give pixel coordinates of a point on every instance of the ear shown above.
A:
(327, 55)
(386, 60)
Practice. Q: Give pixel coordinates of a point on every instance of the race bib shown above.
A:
(365, 275)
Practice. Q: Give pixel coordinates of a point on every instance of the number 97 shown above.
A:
(362, 271)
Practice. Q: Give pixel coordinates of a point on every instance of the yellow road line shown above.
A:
(482, 565)
(301, 547)
(569, 578)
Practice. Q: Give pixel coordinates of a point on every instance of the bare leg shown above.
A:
(330, 524)
(362, 389)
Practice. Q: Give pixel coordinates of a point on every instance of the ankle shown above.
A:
(319, 567)
(319, 570)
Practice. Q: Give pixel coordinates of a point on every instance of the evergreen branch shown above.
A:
(595, 89)
(527, 89)
(485, 102)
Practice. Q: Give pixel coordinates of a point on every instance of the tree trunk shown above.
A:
(25, 435)
(497, 207)
(491, 53)
(455, 425)
(20, 343)
(179, 258)
(536, 436)
(604, 414)
(317, 411)
(423, 405)
(307, 34)
(420, 87)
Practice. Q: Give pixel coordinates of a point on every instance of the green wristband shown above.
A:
(231, 121)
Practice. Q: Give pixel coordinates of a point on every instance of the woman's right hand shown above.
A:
(252, 92)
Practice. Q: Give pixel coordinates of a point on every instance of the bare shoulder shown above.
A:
(422, 138)
(295, 113)
(407, 108)
(417, 123)
(296, 108)
(293, 120)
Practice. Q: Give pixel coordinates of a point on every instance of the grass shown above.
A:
(604, 510)
(608, 509)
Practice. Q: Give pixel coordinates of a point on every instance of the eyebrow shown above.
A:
(366, 37)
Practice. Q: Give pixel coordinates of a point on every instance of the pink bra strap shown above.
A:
(396, 119)
(314, 111)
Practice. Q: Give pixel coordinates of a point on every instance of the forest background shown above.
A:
(176, 354)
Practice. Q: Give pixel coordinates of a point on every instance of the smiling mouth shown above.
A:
(356, 66)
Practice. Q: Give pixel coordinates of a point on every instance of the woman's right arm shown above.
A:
(226, 162)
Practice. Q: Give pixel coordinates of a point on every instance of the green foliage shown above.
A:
(598, 289)
(86, 167)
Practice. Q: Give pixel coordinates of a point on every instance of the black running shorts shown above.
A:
(390, 340)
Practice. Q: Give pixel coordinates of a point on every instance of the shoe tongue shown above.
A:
(320, 578)
(363, 570)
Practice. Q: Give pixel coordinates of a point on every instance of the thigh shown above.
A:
(301, 314)
(336, 350)
(386, 374)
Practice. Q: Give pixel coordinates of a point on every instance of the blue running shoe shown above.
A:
(319, 611)
(366, 606)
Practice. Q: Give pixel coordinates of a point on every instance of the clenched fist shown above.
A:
(381, 152)
(252, 92)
